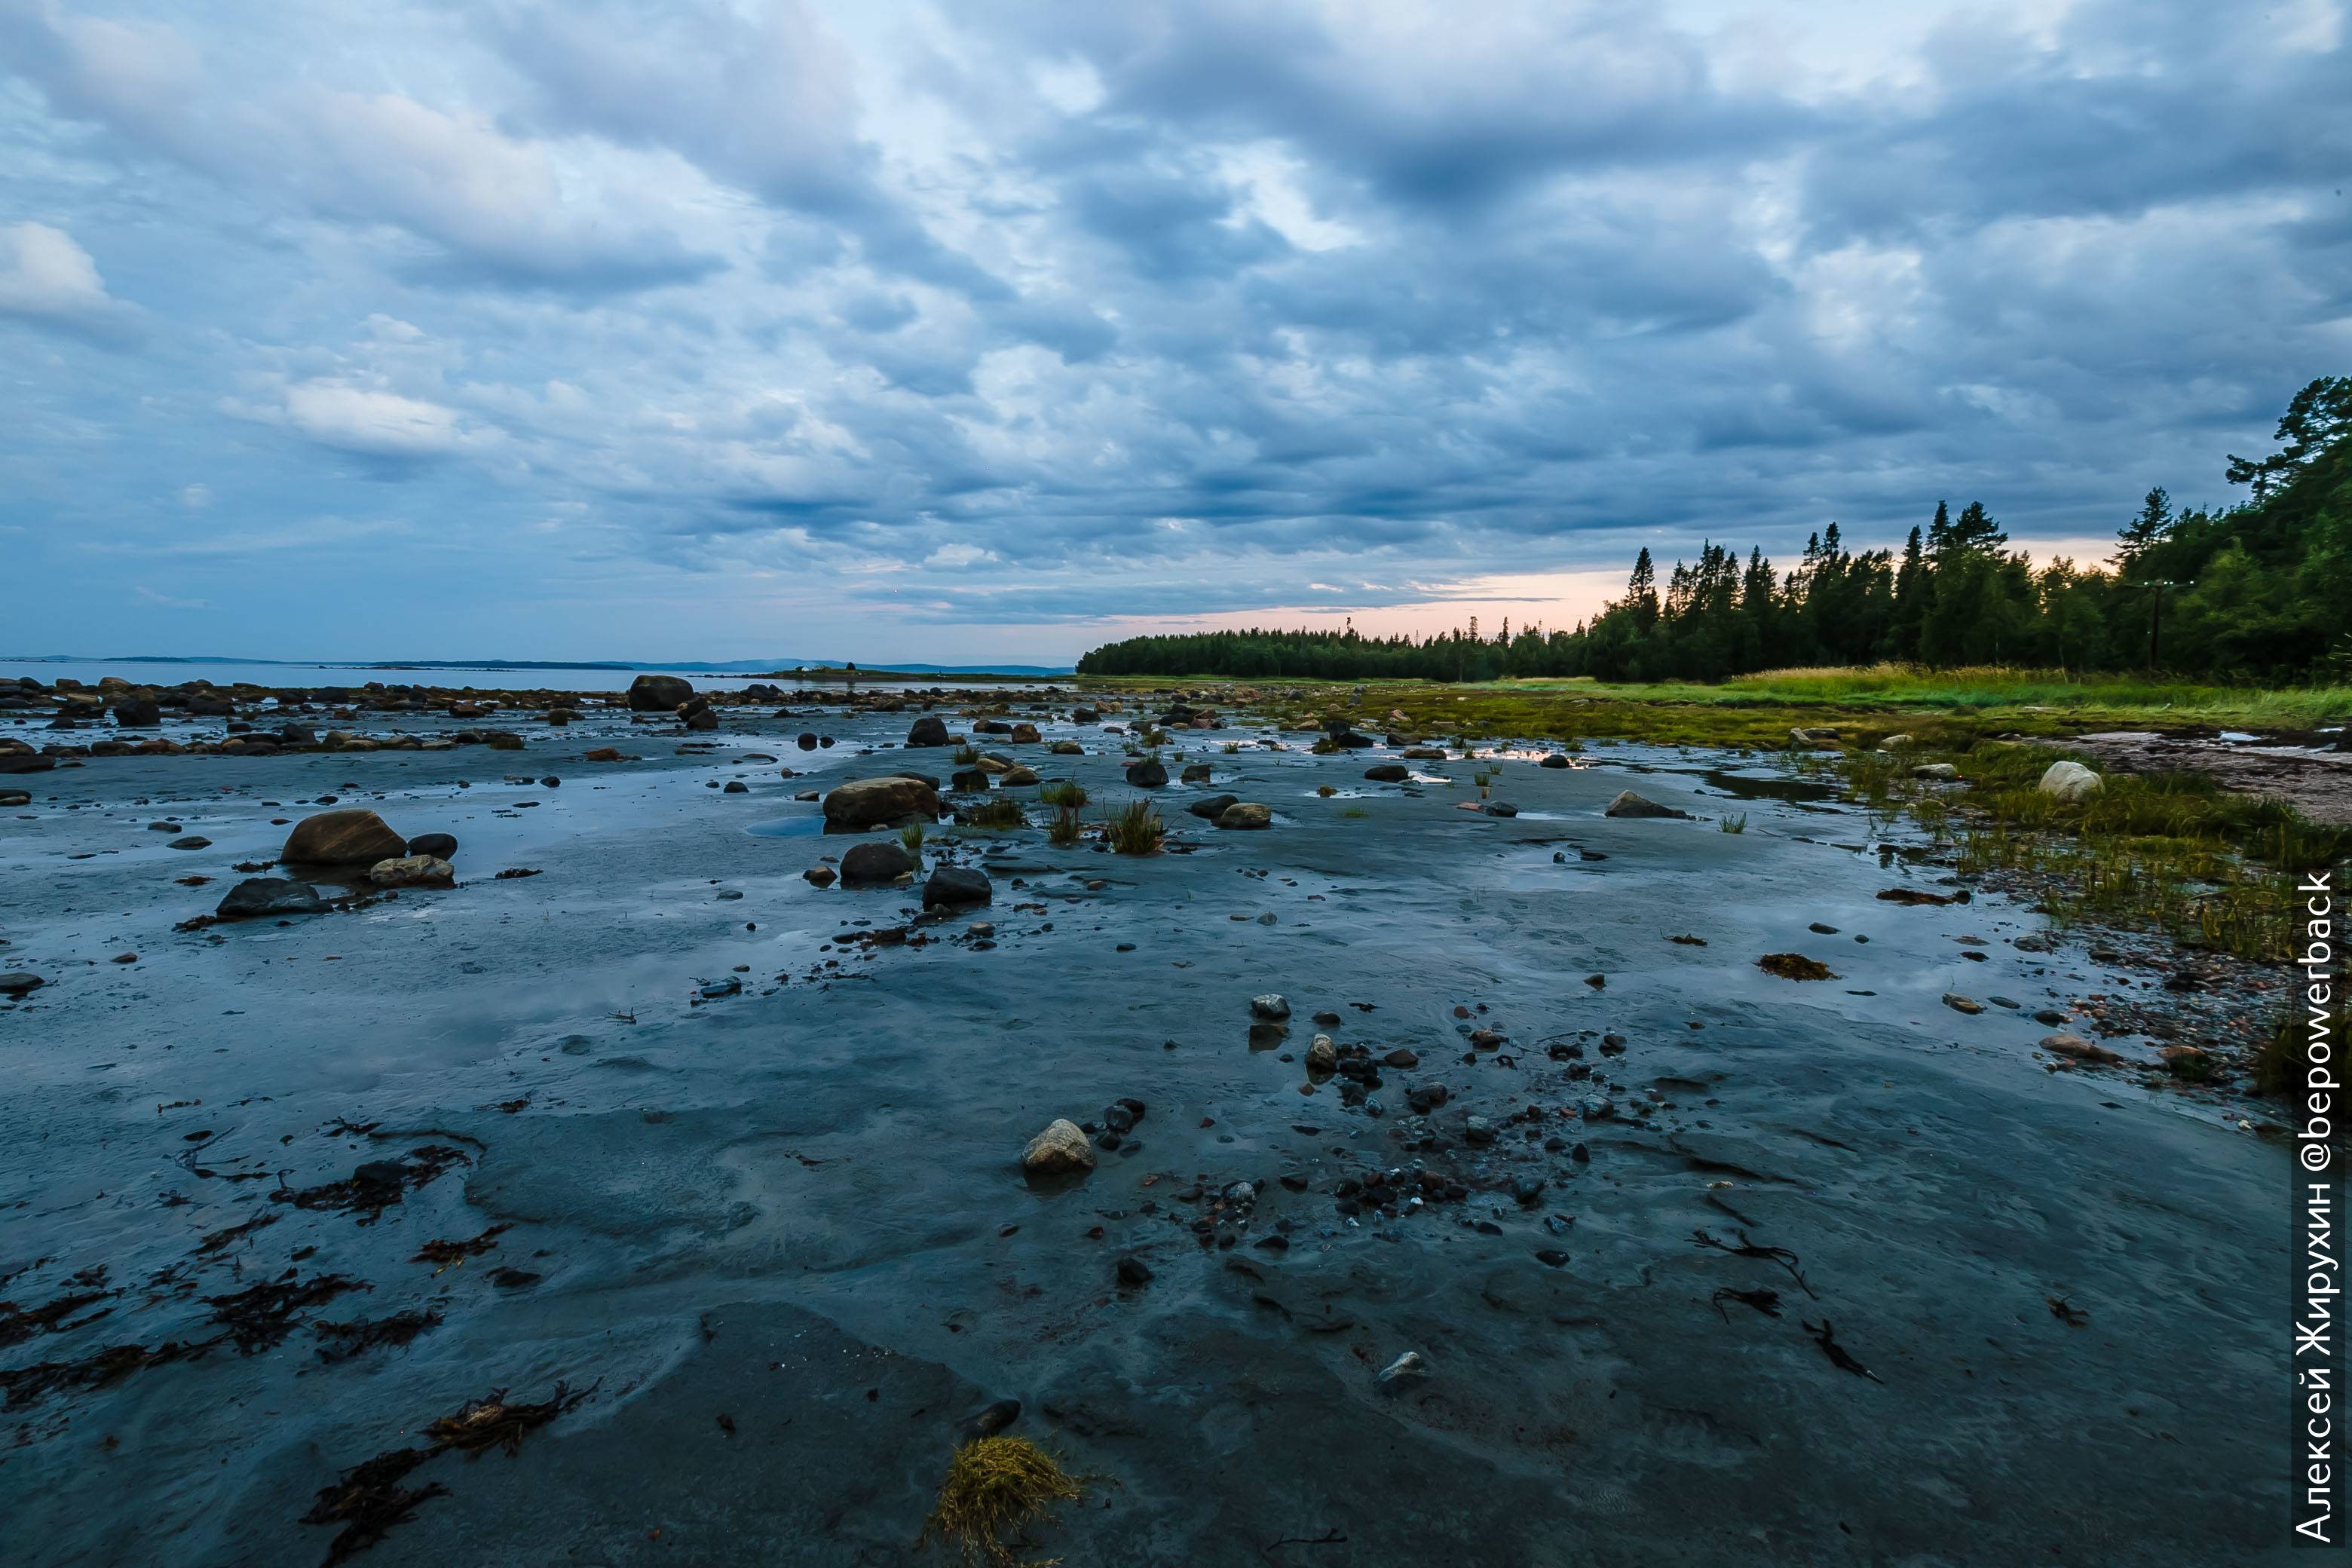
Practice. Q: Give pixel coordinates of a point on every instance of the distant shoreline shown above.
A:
(718, 670)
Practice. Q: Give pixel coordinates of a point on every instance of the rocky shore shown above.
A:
(1412, 1153)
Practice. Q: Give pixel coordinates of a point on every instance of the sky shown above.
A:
(594, 329)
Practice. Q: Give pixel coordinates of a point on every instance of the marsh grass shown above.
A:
(1738, 823)
(999, 811)
(1134, 830)
(966, 756)
(1065, 827)
(1063, 791)
(2165, 851)
(912, 837)
(996, 1489)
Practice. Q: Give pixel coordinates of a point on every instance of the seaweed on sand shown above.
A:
(996, 1487)
(1746, 1248)
(25, 1384)
(492, 1423)
(1837, 1353)
(1794, 966)
(20, 1323)
(368, 1500)
(376, 1186)
(260, 1316)
(365, 1334)
(1765, 1301)
(449, 1254)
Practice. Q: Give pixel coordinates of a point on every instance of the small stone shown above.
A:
(1960, 1004)
(1404, 1369)
(1060, 1148)
(412, 871)
(1628, 804)
(1272, 1006)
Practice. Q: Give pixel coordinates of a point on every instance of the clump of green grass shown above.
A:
(1355, 811)
(2165, 851)
(1136, 829)
(966, 756)
(996, 1489)
(1065, 827)
(999, 811)
(912, 837)
(1063, 791)
(1232, 747)
(1737, 823)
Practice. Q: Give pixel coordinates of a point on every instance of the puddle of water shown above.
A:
(1794, 791)
(789, 828)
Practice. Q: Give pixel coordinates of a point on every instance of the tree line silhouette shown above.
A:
(2261, 590)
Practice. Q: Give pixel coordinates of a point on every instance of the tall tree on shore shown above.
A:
(2150, 527)
(1641, 592)
(2317, 418)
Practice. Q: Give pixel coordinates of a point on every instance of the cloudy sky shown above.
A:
(698, 329)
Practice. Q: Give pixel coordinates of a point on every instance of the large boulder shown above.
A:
(1214, 806)
(930, 730)
(2070, 782)
(1387, 773)
(1146, 773)
(1246, 814)
(881, 803)
(1058, 1150)
(876, 860)
(259, 896)
(957, 885)
(138, 711)
(1628, 804)
(696, 713)
(441, 846)
(351, 838)
(658, 693)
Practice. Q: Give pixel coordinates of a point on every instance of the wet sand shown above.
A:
(799, 1207)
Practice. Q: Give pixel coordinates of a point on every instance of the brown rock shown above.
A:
(355, 837)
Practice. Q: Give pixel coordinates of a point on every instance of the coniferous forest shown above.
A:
(2258, 591)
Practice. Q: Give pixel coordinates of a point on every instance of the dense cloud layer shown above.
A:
(650, 328)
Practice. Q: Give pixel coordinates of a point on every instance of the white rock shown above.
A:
(1935, 771)
(2070, 782)
(1270, 1005)
(1408, 1365)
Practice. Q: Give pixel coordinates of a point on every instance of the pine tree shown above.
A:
(2147, 528)
(1642, 591)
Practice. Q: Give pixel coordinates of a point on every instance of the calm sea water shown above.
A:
(90, 671)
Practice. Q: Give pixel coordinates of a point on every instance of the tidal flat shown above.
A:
(697, 1186)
